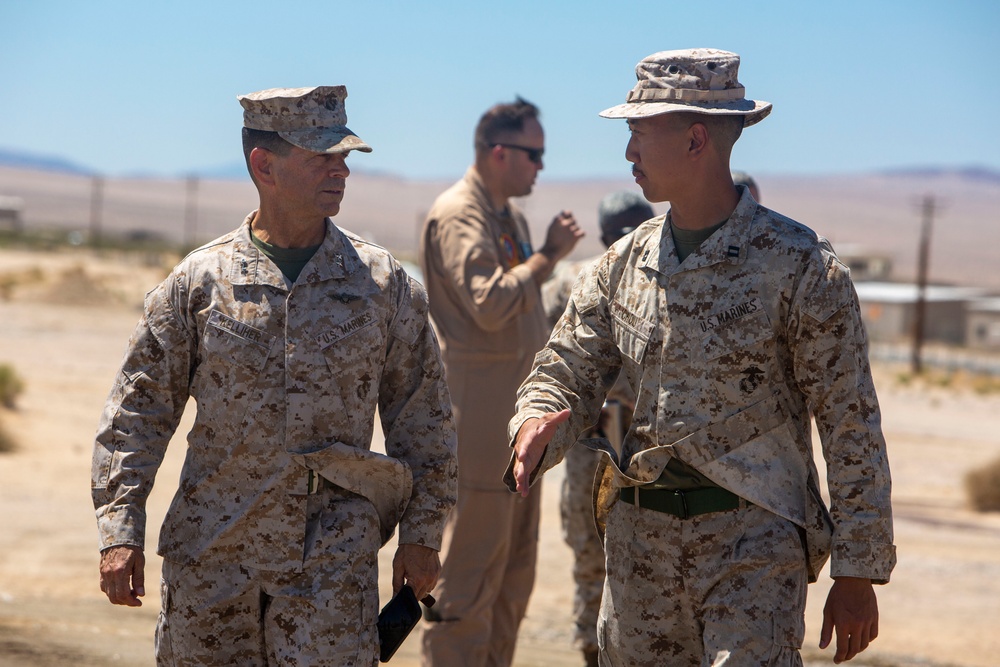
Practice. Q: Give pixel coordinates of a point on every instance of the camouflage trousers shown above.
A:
(322, 616)
(725, 588)
(576, 507)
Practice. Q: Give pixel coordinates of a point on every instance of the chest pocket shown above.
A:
(631, 331)
(741, 336)
(354, 346)
(233, 353)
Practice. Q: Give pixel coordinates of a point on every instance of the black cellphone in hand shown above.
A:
(396, 620)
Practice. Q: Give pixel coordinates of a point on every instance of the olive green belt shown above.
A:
(683, 504)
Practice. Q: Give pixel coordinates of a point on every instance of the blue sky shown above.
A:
(147, 87)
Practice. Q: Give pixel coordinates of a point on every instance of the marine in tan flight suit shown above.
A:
(483, 282)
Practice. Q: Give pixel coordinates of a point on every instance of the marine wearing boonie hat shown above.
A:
(692, 80)
(314, 118)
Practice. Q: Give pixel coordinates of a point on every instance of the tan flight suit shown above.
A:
(486, 308)
(270, 543)
(729, 352)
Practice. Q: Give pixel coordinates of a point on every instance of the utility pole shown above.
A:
(191, 213)
(96, 209)
(928, 207)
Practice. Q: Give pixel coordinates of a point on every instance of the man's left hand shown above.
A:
(417, 566)
(852, 610)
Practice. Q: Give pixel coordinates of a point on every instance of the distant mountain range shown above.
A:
(981, 174)
(25, 160)
(237, 170)
(10, 158)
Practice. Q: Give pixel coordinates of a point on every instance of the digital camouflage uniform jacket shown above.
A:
(728, 353)
(283, 378)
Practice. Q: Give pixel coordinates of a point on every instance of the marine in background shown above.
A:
(484, 278)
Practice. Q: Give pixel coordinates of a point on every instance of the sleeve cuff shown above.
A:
(866, 560)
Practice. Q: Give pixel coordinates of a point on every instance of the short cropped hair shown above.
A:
(621, 212)
(743, 178)
(724, 129)
(271, 141)
(502, 120)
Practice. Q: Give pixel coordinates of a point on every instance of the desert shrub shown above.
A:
(985, 385)
(904, 379)
(6, 441)
(9, 282)
(11, 386)
(983, 487)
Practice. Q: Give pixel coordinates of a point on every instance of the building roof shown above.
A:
(882, 292)
(988, 305)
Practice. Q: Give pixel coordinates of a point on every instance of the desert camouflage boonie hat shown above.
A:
(311, 118)
(692, 80)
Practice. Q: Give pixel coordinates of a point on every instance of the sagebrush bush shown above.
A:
(983, 487)
(6, 441)
(11, 386)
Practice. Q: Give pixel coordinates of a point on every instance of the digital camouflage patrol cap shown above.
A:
(692, 80)
(314, 119)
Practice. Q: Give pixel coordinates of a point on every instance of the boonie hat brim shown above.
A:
(753, 111)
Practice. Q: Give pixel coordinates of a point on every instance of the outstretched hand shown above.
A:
(532, 439)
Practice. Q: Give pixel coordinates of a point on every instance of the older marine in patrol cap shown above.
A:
(289, 333)
(732, 323)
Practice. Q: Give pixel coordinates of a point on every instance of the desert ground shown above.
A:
(64, 321)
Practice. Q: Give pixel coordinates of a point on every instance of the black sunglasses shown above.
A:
(534, 154)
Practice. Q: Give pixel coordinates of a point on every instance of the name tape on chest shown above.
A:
(731, 314)
(348, 328)
(629, 319)
(239, 329)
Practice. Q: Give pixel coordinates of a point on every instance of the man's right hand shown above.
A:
(562, 236)
(123, 575)
(532, 439)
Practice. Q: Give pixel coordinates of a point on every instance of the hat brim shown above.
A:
(753, 111)
(337, 139)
